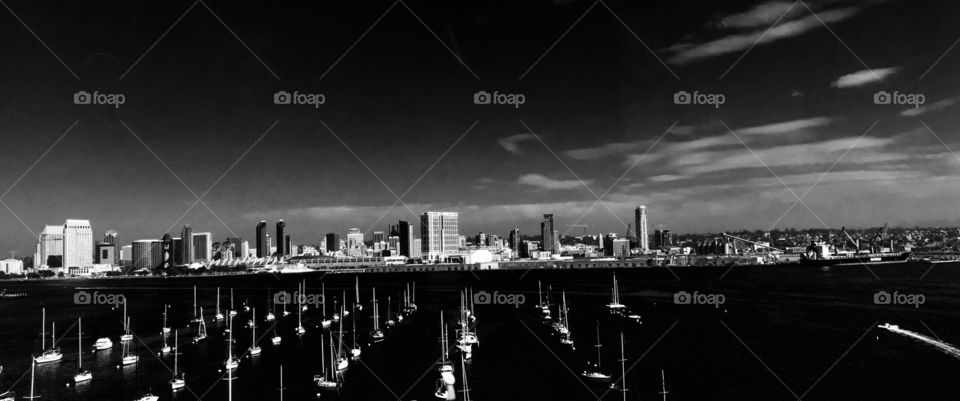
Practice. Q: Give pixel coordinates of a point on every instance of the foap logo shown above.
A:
(97, 98)
(286, 298)
(697, 98)
(900, 99)
(98, 298)
(698, 298)
(497, 298)
(899, 298)
(513, 99)
(311, 99)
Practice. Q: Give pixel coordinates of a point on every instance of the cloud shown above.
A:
(544, 182)
(935, 106)
(786, 126)
(762, 15)
(686, 53)
(864, 77)
(512, 143)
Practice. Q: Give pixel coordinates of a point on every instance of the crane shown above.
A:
(725, 235)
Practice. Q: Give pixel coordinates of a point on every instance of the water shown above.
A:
(781, 334)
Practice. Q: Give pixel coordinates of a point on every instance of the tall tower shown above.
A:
(440, 234)
(281, 249)
(77, 244)
(640, 217)
(550, 236)
(406, 237)
(262, 247)
(186, 249)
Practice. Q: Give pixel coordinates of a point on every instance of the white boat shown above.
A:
(615, 306)
(566, 336)
(103, 343)
(82, 375)
(128, 358)
(127, 336)
(8, 396)
(52, 354)
(593, 371)
(201, 330)
(196, 317)
(445, 384)
(232, 362)
(376, 334)
(342, 362)
(327, 379)
(166, 329)
(178, 381)
(219, 316)
(254, 349)
(148, 397)
(233, 312)
(888, 326)
(355, 351)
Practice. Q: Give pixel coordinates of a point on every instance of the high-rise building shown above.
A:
(263, 250)
(440, 234)
(405, 232)
(515, 240)
(416, 249)
(113, 238)
(287, 251)
(379, 236)
(49, 247)
(640, 219)
(126, 255)
(166, 252)
(77, 244)
(202, 246)
(662, 239)
(333, 242)
(281, 251)
(186, 246)
(244, 249)
(621, 248)
(354, 238)
(550, 235)
(146, 254)
(237, 245)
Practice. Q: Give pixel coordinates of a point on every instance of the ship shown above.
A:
(826, 255)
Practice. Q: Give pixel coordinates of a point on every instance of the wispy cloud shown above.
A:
(864, 77)
(761, 15)
(688, 52)
(544, 182)
(935, 106)
(786, 126)
(512, 143)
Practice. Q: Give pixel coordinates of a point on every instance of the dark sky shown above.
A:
(599, 89)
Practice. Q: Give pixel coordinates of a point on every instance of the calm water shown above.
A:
(781, 334)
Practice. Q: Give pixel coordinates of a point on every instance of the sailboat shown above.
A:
(623, 372)
(445, 389)
(303, 292)
(128, 358)
(166, 329)
(232, 362)
(254, 349)
(233, 312)
(663, 385)
(564, 328)
(148, 397)
(327, 321)
(615, 306)
(219, 316)
(342, 362)
(376, 335)
(390, 321)
(276, 338)
(281, 383)
(33, 368)
(103, 343)
(52, 354)
(201, 330)
(323, 380)
(8, 396)
(356, 291)
(127, 336)
(196, 317)
(355, 351)
(300, 328)
(178, 381)
(543, 306)
(270, 316)
(593, 371)
(466, 335)
(82, 375)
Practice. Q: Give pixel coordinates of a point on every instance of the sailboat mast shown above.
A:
(194, 302)
(43, 331)
(281, 382)
(176, 353)
(598, 345)
(623, 369)
(663, 385)
(79, 343)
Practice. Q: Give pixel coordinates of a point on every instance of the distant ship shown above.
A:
(824, 255)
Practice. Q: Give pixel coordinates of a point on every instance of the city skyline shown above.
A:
(800, 105)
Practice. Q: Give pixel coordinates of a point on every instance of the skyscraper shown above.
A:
(77, 244)
(281, 249)
(113, 238)
(237, 244)
(49, 247)
(515, 240)
(333, 242)
(440, 234)
(406, 238)
(263, 249)
(354, 239)
(286, 246)
(202, 246)
(640, 219)
(186, 248)
(550, 235)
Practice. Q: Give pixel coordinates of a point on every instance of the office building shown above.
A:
(263, 249)
(662, 239)
(621, 248)
(415, 249)
(186, 246)
(287, 251)
(515, 240)
(405, 234)
(77, 243)
(333, 242)
(236, 244)
(167, 258)
(354, 238)
(440, 234)
(49, 248)
(126, 255)
(11, 266)
(281, 238)
(379, 236)
(550, 236)
(202, 247)
(146, 254)
(107, 254)
(640, 219)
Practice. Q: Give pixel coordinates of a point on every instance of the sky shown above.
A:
(798, 141)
